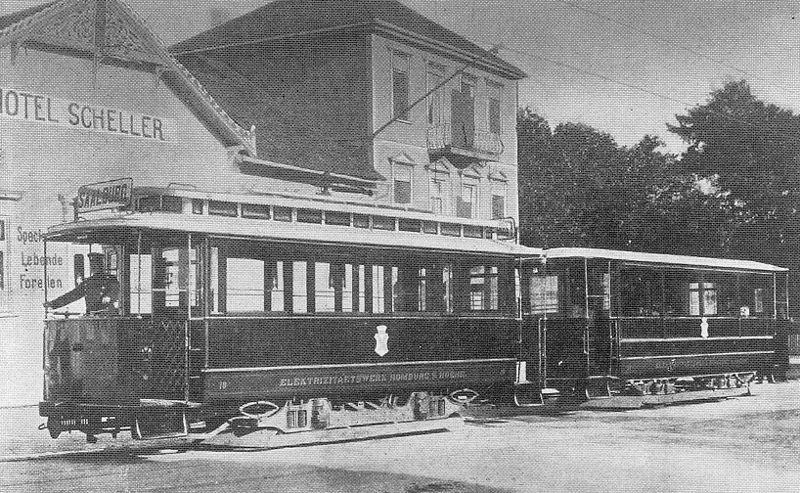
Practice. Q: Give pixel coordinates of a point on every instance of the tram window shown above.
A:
(312, 216)
(758, 300)
(435, 288)
(447, 288)
(328, 280)
(337, 218)
(299, 287)
(483, 288)
(255, 211)
(429, 227)
(245, 285)
(473, 232)
(360, 221)
(383, 223)
(702, 298)
(422, 296)
(170, 203)
(140, 284)
(348, 289)
(451, 229)
(757, 295)
(362, 288)
(412, 225)
(218, 208)
(544, 294)
(214, 281)
(378, 300)
(282, 214)
(405, 288)
(642, 293)
(276, 286)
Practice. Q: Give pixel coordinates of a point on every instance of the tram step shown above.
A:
(268, 438)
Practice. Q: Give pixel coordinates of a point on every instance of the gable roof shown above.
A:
(226, 60)
(77, 25)
(289, 18)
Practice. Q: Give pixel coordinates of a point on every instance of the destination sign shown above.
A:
(43, 109)
(104, 195)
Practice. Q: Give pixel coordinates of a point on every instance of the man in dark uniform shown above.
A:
(101, 289)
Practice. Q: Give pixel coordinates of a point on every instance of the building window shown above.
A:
(499, 199)
(402, 184)
(495, 97)
(463, 114)
(702, 298)
(438, 194)
(400, 85)
(435, 98)
(468, 199)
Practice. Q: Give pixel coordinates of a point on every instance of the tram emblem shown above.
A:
(381, 340)
(704, 328)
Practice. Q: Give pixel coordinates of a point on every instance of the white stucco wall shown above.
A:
(46, 162)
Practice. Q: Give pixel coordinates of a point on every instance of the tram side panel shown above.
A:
(286, 358)
(730, 346)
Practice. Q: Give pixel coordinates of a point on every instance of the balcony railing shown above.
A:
(477, 144)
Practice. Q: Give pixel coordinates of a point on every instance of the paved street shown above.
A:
(745, 444)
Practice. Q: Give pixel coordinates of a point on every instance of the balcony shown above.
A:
(465, 146)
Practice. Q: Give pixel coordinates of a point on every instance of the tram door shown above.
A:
(567, 319)
(165, 282)
(599, 329)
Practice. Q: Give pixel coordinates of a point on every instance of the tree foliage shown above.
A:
(733, 193)
(578, 187)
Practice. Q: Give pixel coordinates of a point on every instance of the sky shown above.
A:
(625, 67)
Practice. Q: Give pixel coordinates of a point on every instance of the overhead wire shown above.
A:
(662, 39)
(502, 46)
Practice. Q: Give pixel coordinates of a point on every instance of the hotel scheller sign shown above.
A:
(43, 109)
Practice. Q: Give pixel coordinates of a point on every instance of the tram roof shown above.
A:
(285, 232)
(661, 258)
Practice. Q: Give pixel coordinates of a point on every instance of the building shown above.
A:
(340, 86)
(88, 94)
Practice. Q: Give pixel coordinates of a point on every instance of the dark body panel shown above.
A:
(421, 353)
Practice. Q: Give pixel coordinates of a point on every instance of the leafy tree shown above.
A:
(752, 149)
(579, 188)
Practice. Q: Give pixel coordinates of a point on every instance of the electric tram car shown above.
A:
(263, 306)
(607, 323)
(265, 312)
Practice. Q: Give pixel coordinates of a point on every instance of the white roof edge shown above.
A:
(661, 258)
(287, 200)
(300, 232)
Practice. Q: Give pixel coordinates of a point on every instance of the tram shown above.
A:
(264, 311)
(652, 328)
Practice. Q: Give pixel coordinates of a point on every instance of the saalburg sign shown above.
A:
(39, 108)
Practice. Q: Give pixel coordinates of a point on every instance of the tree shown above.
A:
(752, 149)
(578, 187)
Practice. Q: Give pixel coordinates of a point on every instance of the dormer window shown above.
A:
(402, 183)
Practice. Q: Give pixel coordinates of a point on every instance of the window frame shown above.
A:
(394, 55)
(437, 96)
(490, 85)
(405, 167)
